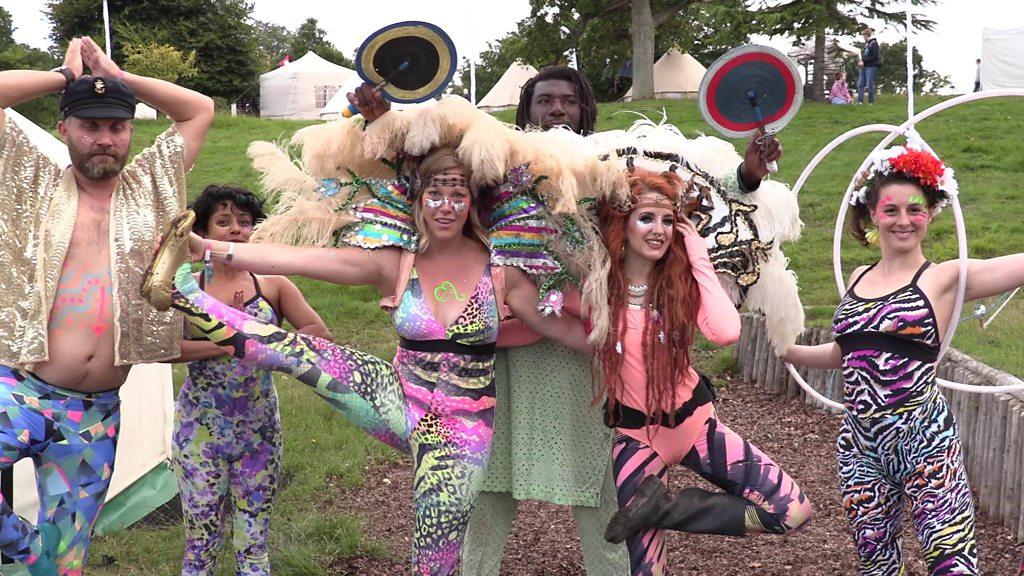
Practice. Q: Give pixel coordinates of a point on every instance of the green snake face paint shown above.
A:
(442, 291)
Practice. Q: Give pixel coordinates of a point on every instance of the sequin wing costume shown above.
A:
(226, 453)
(898, 439)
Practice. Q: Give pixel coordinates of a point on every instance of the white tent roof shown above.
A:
(144, 111)
(1000, 58)
(147, 402)
(300, 90)
(676, 75)
(338, 102)
(53, 148)
(505, 94)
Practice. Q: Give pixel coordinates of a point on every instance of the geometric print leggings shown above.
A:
(915, 457)
(721, 457)
(71, 438)
(437, 407)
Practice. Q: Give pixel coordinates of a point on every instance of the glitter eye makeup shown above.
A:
(645, 221)
(457, 206)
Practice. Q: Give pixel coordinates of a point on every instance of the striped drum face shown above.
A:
(749, 87)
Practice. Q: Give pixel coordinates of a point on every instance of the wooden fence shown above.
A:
(991, 425)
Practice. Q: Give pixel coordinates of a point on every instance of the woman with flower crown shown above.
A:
(898, 440)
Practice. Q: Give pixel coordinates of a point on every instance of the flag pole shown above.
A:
(472, 58)
(106, 26)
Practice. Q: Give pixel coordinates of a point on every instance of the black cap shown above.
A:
(98, 98)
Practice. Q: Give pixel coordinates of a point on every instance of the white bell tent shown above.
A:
(1001, 52)
(676, 76)
(301, 89)
(505, 93)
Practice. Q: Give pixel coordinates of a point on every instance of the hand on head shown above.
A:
(98, 62)
(686, 227)
(369, 101)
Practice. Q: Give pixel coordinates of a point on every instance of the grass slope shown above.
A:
(323, 453)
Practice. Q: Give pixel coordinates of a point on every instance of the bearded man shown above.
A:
(72, 320)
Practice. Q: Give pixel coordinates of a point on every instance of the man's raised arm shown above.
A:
(17, 86)
(191, 111)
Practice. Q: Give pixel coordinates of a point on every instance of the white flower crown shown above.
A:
(914, 161)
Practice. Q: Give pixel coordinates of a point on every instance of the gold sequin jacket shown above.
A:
(38, 205)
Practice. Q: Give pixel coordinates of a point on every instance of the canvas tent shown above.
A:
(144, 111)
(301, 89)
(676, 76)
(142, 480)
(1001, 52)
(338, 102)
(505, 93)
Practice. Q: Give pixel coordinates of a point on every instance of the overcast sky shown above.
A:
(951, 49)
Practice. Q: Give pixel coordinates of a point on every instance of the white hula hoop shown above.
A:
(961, 232)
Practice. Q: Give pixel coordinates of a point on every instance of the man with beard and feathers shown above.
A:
(550, 441)
(72, 320)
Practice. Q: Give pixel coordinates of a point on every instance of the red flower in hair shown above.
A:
(919, 165)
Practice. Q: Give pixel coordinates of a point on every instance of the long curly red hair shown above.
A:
(672, 291)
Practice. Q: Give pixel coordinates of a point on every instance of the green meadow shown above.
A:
(324, 454)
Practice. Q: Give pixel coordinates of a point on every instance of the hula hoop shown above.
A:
(961, 232)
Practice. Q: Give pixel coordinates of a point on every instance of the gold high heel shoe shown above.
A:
(158, 281)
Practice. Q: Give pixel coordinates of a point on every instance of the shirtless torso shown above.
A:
(81, 324)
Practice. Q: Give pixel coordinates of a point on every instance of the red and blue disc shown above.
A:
(750, 73)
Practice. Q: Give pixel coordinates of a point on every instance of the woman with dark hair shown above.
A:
(661, 288)
(898, 440)
(434, 273)
(227, 444)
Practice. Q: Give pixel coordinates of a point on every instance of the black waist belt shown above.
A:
(449, 346)
(886, 342)
(622, 416)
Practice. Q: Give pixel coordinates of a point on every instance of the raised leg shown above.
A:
(362, 387)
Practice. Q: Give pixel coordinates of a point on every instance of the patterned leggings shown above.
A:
(445, 424)
(71, 437)
(227, 464)
(914, 456)
(721, 457)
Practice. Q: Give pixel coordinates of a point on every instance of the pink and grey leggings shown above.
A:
(721, 457)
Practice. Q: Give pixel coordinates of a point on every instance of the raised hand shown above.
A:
(369, 101)
(97, 60)
(73, 57)
(760, 151)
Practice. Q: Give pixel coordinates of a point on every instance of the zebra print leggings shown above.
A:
(914, 456)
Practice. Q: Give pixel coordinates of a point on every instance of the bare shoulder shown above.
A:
(944, 270)
(857, 273)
